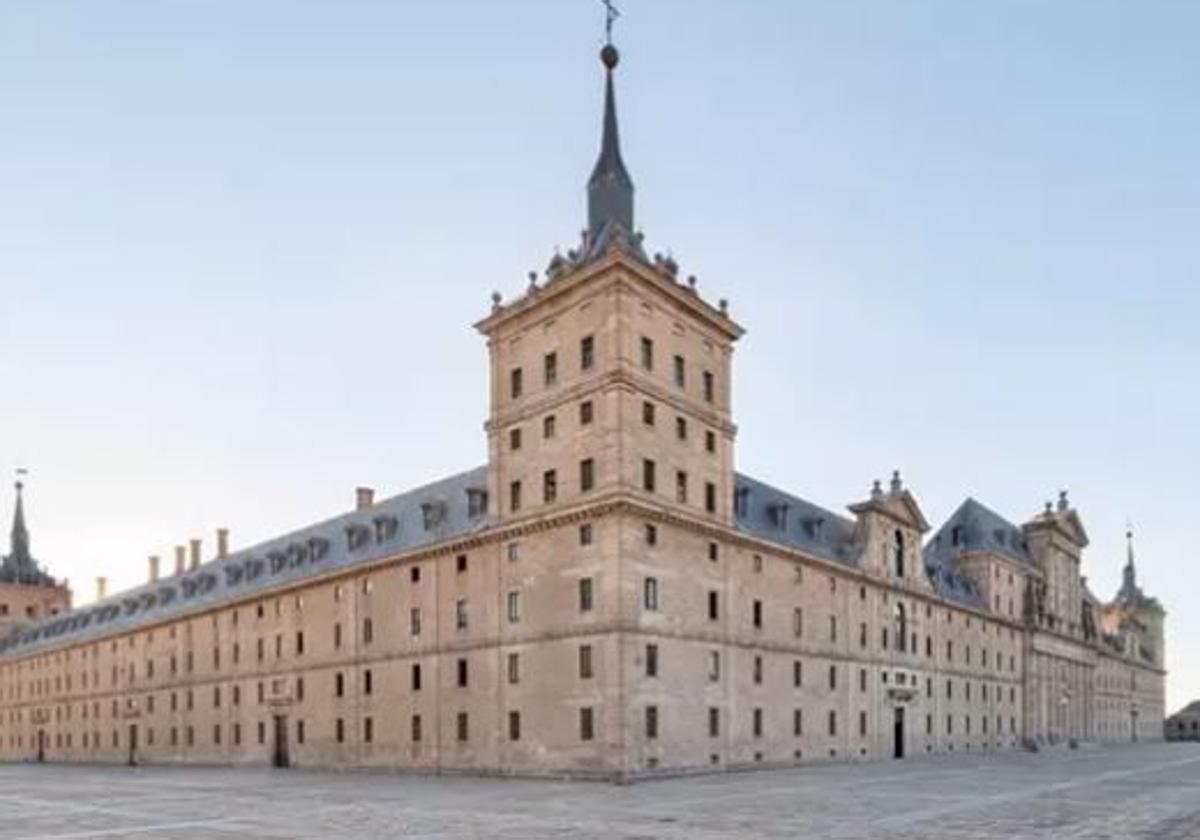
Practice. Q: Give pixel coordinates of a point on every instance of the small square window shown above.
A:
(585, 533)
(514, 438)
(585, 413)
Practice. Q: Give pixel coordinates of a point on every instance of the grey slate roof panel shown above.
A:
(802, 525)
(979, 528)
(429, 514)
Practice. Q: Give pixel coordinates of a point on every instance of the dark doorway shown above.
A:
(133, 743)
(280, 758)
(898, 734)
(1133, 720)
(41, 745)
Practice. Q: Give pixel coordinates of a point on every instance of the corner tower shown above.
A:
(609, 377)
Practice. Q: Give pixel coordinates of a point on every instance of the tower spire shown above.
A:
(1130, 574)
(19, 565)
(610, 189)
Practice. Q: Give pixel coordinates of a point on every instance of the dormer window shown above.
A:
(741, 501)
(477, 500)
(432, 514)
(956, 536)
(779, 515)
(814, 526)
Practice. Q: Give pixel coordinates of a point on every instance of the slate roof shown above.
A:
(771, 514)
(424, 516)
(979, 528)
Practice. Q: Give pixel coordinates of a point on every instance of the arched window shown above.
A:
(899, 549)
(901, 628)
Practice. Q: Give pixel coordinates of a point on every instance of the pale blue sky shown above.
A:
(242, 244)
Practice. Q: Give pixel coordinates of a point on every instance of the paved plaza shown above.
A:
(1150, 791)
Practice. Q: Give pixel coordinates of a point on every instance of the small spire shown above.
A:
(610, 189)
(896, 485)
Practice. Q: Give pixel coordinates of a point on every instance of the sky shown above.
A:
(242, 246)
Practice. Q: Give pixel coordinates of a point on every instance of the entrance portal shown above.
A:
(898, 734)
(133, 743)
(281, 757)
(41, 745)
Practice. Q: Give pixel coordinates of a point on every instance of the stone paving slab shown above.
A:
(1147, 792)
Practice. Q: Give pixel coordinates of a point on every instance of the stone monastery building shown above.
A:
(605, 597)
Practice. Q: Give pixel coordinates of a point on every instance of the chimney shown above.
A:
(195, 546)
(180, 559)
(101, 588)
(364, 497)
(153, 568)
(222, 543)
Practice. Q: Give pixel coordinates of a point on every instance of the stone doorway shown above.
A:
(280, 756)
(898, 733)
(133, 744)
(41, 746)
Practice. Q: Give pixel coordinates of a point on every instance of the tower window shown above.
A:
(515, 383)
(585, 413)
(680, 428)
(550, 368)
(586, 352)
(648, 413)
(587, 475)
(681, 487)
(650, 593)
(514, 496)
(708, 386)
(680, 371)
(710, 441)
(710, 497)
(647, 353)
(648, 475)
(548, 425)
(549, 486)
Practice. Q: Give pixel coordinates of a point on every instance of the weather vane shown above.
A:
(611, 13)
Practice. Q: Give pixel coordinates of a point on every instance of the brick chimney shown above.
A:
(222, 543)
(153, 568)
(364, 497)
(180, 560)
(101, 588)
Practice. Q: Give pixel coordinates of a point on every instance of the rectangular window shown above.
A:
(647, 353)
(416, 729)
(797, 622)
(515, 383)
(368, 631)
(710, 441)
(585, 594)
(833, 628)
(651, 660)
(549, 486)
(585, 413)
(650, 593)
(710, 497)
(587, 475)
(514, 496)
(651, 722)
(299, 642)
(337, 639)
(340, 730)
(514, 726)
(587, 729)
(514, 668)
(862, 679)
(681, 487)
(648, 475)
(680, 371)
(339, 684)
(714, 722)
(550, 368)
(460, 614)
(832, 677)
(833, 723)
(757, 613)
(463, 732)
(648, 413)
(514, 607)
(758, 670)
(548, 426)
(368, 730)
(708, 386)
(462, 673)
(714, 665)
(680, 428)
(797, 673)
(586, 352)
(651, 534)
(797, 722)
(585, 534)
(758, 723)
(416, 677)
(514, 438)
(414, 621)
(585, 662)
(713, 605)
(862, 724)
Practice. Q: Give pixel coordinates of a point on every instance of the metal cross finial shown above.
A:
(21, 472)
(611, 13)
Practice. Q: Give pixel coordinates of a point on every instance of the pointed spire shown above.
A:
(1129, 573)
(19, 545)
(610, 189)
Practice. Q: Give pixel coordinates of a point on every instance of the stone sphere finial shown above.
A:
(496, 300)
(876, 489)
(610, 57)
(723, 304)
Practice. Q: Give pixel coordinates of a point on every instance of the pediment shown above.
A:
(901, 507)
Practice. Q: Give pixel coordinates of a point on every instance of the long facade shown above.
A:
(606, 597)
